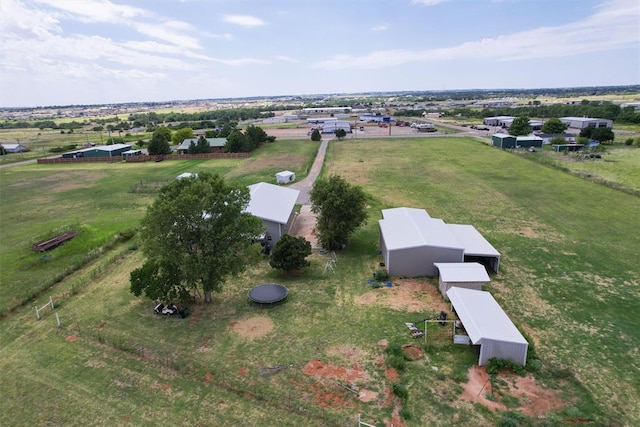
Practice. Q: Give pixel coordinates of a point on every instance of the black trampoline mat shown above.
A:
(268, 293)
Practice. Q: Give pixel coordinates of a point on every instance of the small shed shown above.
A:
(502, 140)
(468, 275)
(285, 177)
(488, 326)
(275, 206)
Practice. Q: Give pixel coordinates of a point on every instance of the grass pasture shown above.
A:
(569, 279)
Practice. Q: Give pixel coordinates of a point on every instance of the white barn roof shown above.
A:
(271, 202)
(482, 317)
(404, 212)
(472, 241)
(460, 272)
(413, 230)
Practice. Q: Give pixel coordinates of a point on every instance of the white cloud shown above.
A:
(243, 20)
(614, 25)
(379, 28)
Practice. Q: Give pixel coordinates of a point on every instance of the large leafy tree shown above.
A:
(553, 125)
(341, 133)
(159, 143)
(238, 142)
(257, 136)
(181, 134)
(315, 135)
(520, 126)
(194, 235)
(598, 134)
(341, 210)
(290, 253)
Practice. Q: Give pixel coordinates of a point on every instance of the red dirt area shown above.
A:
(391, 374)
(412, 352)
(71, 338)
(242, 372)
(535, 400)
(319, 369)
(208, 377)
(332, 396)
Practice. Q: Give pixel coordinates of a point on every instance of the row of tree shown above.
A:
(238, 141)
(197, 233)
(599, 109)
(520, 126)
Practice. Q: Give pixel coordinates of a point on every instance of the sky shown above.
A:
(67, 52)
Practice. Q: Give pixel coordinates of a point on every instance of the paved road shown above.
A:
(306, 184)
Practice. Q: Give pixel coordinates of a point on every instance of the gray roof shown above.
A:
(482, 316)
(412, 231)
(410, 228)
(472, 241)
(112, 147)
(272, 202)
(213, 142)
(461, 272)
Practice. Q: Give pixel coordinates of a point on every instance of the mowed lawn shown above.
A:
(569, 278)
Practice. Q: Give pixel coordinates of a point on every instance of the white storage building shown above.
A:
(285, 177)
(411, 242)
(275, 206)
(488, 326)
(468, 275)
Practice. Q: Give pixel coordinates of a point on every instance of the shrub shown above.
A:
(405, 414)
(381, 275)
(397, 362)
(629, 141)
(401, 391)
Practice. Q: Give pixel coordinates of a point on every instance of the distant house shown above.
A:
(216, 144)
(275, 206)
(585, 122)
(14, 148)
(115, 150)
(567, 147)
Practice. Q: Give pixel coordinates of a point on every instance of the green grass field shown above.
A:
(569, 278)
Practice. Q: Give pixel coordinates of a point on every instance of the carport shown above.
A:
(488, 326)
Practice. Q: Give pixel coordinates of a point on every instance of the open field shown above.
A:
(569, 278)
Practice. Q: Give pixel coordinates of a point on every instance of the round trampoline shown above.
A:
(268, 293)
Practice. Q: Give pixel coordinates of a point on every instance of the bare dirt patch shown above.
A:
(534, 399)
(253, 327)
(412, 352)
(326, 370)
(304, 226)
(410, 295)
(367, 395)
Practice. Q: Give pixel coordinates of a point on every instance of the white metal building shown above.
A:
(488, 326)
(285, 177)
(468, 275)
(275, 206)
(412, 241)
(585, 122)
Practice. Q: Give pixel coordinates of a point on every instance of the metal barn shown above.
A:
(411, 242)
(488, 326)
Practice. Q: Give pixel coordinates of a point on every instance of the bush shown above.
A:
(401, 391)
(405, 414)
(629, 141)
(397, 362)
